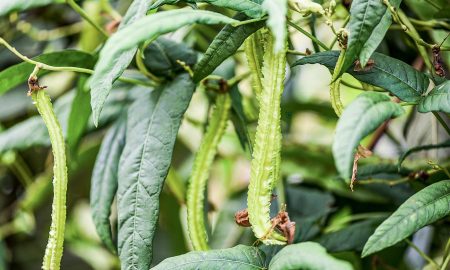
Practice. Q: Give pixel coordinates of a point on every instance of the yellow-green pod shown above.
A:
(200, 172)
(266, 153)
(54, 250)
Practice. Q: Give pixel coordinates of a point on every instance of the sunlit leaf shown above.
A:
(239, 257)
(118, 51)
(425, 207)
(306, 255)
(9, 6)
(366, 113)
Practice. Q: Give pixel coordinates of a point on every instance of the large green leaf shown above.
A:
(437, 100)
(104, 180)
(239, 257)
(402, 158)
(351, 238)
(225, 44)
(118, 51)
(306, 256)
(277, 10)
(395, 76)
(153, 122)
(17, 74)
(366, 113)
(369, 22)
(425, 207)
(8, 6)
(249, 7)
(161, 56)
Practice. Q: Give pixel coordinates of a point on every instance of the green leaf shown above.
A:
(366, 113)
(306, 256)
(225, 44)
(79, 115)
(17, 74)
(425, 207)
(101, 82)
(153, 122)
(249, 7)
(9, 6)
(395, 76)
(369, 22)
(160, 57)
(438, 100)
(410, 151)
(239, 257)
(118, 51)
(104, 180)
(351, 238)
(277, 10)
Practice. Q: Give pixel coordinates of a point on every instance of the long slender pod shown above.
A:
(266, 153)
(54, 250)
(200, 172)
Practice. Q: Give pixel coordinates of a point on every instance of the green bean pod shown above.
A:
(54, 250)
(266, 154)
(200, 173)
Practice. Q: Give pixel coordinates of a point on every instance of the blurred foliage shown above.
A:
(324, 208)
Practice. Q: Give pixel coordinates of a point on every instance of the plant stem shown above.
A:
(248, 21)
(343, 25)
(442, 122)
(436, 24)
(294, 52)
(422, 254)
(383, 181)
(446, 258)
(73, 69)
(313, 38)
(85, 16)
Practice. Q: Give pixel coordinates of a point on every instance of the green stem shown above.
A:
(249, 21)
(383, 181)
(442, 122)
(436, 24)
(85, 16)
(313, 38)
(335, 86)
(54, 250)
(347, 19)
(446, 258)
(73, 69)
(200, 172)
(294, 52)
(422, 254)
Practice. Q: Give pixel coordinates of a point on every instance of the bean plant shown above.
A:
(184, 134)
